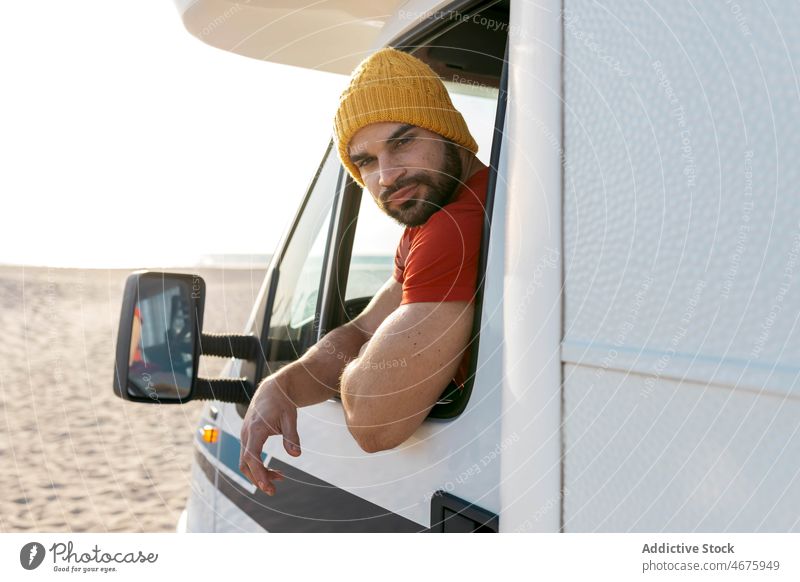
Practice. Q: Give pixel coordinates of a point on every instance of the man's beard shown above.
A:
(442, 187)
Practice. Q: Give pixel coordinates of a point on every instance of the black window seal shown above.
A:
(455, 400)
(452, 409)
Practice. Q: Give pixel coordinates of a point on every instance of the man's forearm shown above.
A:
(315, 376)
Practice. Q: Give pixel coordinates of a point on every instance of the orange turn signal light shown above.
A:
(210, 434)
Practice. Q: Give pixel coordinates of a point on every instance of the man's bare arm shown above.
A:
(315, 376)
(388, 391)
(311, 379)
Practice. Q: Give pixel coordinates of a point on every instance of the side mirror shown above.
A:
(160, 341)
(157, 345)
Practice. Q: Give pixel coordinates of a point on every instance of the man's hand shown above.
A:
(271, 412)
(312, 379)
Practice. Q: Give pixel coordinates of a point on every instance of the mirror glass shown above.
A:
(161, 362)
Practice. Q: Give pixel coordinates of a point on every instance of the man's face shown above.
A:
(409, 171)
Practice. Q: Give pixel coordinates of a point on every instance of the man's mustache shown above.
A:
(410, 181)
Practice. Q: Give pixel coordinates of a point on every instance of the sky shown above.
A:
(127, 142)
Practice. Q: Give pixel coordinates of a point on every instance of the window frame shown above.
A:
(275, 265)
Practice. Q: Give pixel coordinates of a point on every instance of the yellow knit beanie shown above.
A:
(391, 85)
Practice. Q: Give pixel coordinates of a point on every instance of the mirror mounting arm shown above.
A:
(236, 390)
(242, 347)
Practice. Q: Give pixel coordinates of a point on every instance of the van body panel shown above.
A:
(304, 503)
(688, 457)
(702, 209)
(232, 518)
(439, 456)
(682, 236)
(201, 502)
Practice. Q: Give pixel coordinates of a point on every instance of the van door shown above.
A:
(337, 255)
(334, 485)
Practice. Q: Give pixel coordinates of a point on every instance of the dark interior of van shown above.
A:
(465, 45)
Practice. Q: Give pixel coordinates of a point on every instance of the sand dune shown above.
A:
(74, 457)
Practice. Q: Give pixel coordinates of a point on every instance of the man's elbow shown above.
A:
(375, 439)
(372, 421)
(370, 441)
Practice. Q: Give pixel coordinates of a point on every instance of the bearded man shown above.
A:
(400, 138)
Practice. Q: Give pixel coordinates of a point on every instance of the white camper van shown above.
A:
(636, 346)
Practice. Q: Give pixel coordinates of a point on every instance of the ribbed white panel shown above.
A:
(682, 260)
(679, 457)
(647, 245)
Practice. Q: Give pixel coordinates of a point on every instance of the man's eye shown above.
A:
(401, 141)
(364, 163)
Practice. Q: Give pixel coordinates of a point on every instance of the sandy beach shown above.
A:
(74, 457)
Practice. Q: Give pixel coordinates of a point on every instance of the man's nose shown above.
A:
(390, 172)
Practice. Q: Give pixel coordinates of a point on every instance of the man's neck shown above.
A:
(471, 167)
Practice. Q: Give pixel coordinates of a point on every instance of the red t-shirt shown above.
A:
(438, 261)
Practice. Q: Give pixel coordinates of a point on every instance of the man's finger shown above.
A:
(275, 475)
(246, 472)
(251, 459)
(291, 440)
(242, 448)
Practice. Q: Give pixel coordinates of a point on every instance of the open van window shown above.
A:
(374, 236)
(365, 240)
